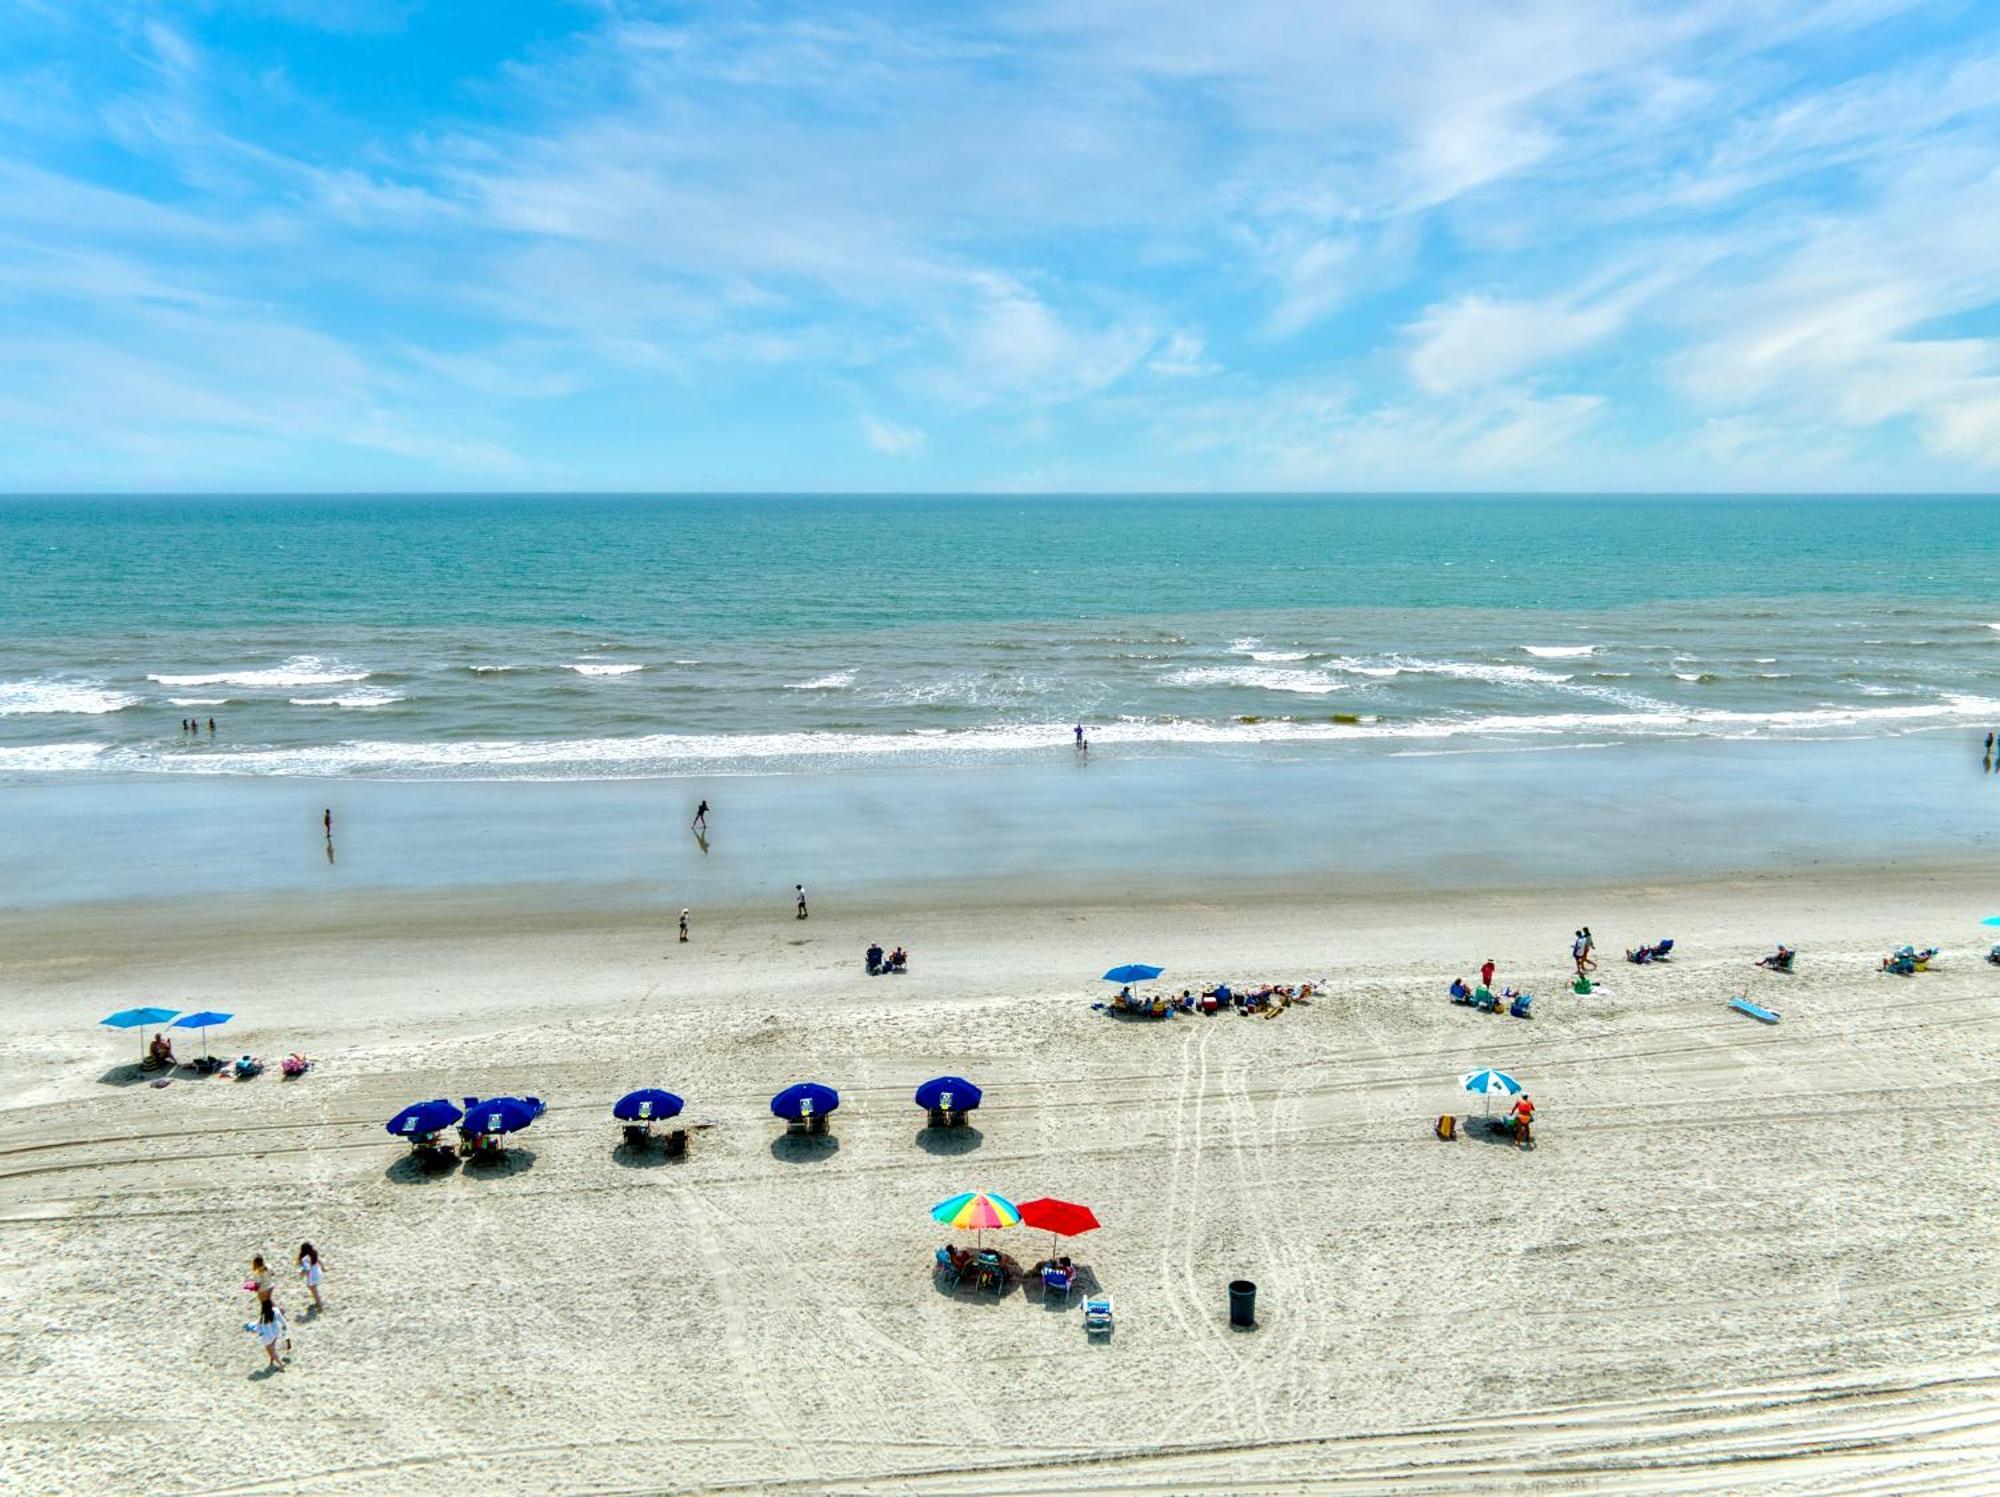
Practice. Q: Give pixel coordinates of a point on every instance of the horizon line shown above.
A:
(1011, 494)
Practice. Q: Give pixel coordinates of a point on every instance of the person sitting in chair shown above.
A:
(1460, 993)
(899, 960)
(874, 958)
(160, 1053)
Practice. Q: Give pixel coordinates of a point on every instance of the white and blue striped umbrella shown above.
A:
(1490, 1084)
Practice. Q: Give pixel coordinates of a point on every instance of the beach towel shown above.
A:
(1447, 1126)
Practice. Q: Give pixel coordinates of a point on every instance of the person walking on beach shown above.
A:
(326, 820)
(1576, 952)
(269, 1327)
(1486, 974)
(800, 890)
(684, 927)
(700, 822)
(260, 1283)
(1589, 949)
(311, 1272)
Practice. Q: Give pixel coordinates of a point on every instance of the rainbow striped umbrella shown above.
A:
(977, 1210)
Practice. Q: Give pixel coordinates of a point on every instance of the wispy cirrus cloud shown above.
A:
(1141, 243)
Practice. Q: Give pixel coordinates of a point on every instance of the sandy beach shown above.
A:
(1740, 1258)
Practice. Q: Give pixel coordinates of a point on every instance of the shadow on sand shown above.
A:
(418, 1169)
(513, 1160)
(646, 1156)
(804, 1148)
(947, 1141)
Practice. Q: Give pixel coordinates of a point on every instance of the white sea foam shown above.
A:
(40, 694)
(604, 668)
(366, 696)
(50, 758)
(1462, 670)
(198, 701)
(1262, 677)
(1278, 657)
(493, 670)
(675, 754)
(831, 681)
(1560, 652)
(299, 670)
(1244, 645)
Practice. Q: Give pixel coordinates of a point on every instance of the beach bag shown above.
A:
(1447, 1126)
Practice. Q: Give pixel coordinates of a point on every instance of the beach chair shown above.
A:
(1097, 1318)
(1662, 950)
(1057, 1280)
(1993, 956)
(945, 1267)
(677, 1144)
(1521, 1004)
(817, 1123)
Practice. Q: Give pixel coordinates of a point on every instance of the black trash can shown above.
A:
(1242, 1304)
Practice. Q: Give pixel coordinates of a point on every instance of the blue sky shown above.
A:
(1128, 244)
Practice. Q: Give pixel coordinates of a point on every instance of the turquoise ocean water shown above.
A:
(586, 638)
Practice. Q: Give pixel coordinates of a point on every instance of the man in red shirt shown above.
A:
(1486, 974)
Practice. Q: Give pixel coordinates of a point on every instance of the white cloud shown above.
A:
(1182, 356)
(1477, 341)
(890, 439)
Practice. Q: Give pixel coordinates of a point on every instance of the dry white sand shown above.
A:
(1741, 1258)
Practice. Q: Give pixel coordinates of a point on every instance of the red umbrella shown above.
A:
(1064, 1218)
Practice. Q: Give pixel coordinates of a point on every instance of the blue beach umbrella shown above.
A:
(204, 1021)
(424, 1117)
(805, 1099)
(1490, 1084)
(646, 1105)
(1133, 972)
(139, 1018)
(501, 1114)
(953, 1092)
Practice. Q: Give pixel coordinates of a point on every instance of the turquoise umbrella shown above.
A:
(202, 1021)
(139, 1018)
(1490, 1084)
